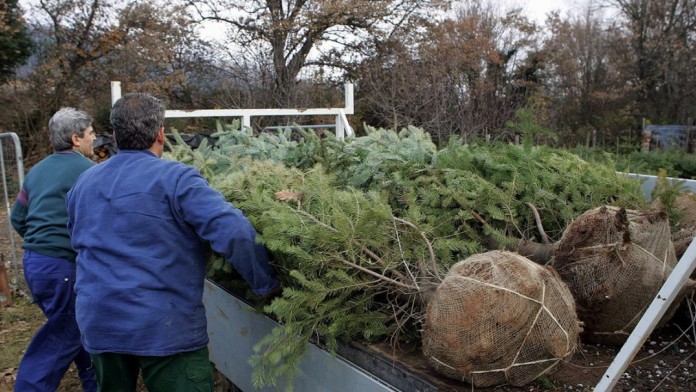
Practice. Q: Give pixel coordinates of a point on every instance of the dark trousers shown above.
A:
(183, 372)
(57, 343)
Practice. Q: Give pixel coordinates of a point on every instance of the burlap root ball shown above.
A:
(615, 261)
(499, 318)
(686, 227)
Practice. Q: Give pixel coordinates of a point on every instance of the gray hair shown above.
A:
(136, 118)
(64, 124)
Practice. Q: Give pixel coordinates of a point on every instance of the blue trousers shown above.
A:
(57, 343)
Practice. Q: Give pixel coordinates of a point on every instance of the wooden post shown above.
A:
(689, 135)
(645, 137)
(594, 137)
(5, 293)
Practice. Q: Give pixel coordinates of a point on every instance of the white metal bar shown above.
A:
(115, 92)
(348, 91)
(340, 133)
(649, 181)
(348, 131)
(250, 112)
(246, 121)
(20, 158)
(652, 316)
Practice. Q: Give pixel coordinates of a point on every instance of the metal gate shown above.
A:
(12, 176)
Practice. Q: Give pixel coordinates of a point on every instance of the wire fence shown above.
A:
(12, 176)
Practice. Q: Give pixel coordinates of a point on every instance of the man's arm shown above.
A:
(227, 229)
(18, 217)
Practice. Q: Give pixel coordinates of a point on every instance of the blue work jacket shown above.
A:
(140, 226)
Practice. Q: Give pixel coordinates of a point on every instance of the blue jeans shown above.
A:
(57, 343)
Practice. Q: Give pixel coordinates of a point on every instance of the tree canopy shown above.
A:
(456, 69)
(289, 31)
(15, 43)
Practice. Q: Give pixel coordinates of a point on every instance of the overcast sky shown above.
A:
(537, 9)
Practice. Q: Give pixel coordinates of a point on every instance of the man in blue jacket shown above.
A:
(141, 226)
(40, 217)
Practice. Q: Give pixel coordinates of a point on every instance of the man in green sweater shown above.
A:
(40, 216)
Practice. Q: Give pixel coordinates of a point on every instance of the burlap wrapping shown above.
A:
(615, 261)
(499, 318)
(686, 229)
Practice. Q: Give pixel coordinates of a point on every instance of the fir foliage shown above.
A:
(361, 230)
(350, 269)
(559, 184)
(666, 192)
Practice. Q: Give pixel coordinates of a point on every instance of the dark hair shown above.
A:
(136, 118)
(64, 124)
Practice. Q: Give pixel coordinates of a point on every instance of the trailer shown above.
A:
(234, 327)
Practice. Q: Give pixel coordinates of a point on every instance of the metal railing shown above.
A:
(12, 175)
(342, 126)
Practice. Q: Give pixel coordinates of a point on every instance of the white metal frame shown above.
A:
(20, 176)
(343, 128)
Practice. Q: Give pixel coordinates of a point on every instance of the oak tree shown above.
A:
(296, 34)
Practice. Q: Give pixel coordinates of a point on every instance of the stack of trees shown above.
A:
(367, 233)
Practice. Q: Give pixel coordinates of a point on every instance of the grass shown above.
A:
(18, 323)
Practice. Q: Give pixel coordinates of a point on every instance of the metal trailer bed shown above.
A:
(234, 327)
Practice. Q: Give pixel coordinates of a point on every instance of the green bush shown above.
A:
(675, 163)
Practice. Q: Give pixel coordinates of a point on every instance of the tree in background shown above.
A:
(295, 34)
(81, 47)
(15, 44)
(662, 37)
(463, 73)
(466, 76)
(73, 37)
(161, 54)
(585, 83)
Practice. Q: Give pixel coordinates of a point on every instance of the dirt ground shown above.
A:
(666, 362)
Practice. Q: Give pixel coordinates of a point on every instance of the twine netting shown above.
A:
(498, 318)
(686, 204)
(615, 261)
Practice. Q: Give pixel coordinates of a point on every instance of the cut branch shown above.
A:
(380, 276)
(433, 259)
(540, 227)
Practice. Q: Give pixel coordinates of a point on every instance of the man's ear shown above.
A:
(160, 136)
(75, 139)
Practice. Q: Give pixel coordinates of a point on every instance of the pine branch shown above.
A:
(379, 276)
(433, 261)
(540, 227)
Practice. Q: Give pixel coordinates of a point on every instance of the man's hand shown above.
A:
(277, 291)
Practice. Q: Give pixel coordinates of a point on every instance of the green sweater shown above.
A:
(40, 215)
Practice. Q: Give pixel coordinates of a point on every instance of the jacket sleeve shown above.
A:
(18, 217)
(226, 228)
